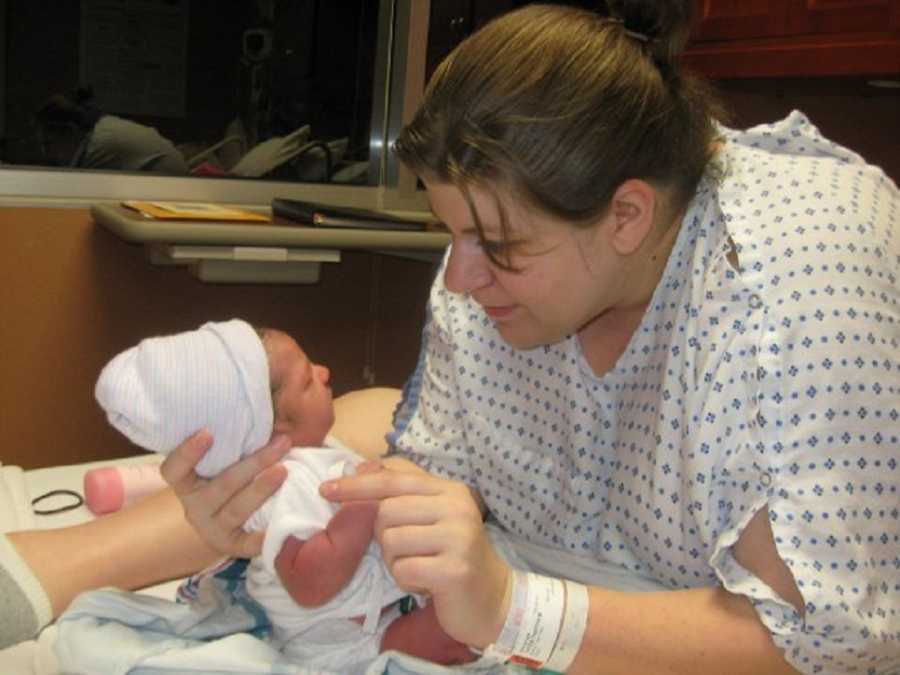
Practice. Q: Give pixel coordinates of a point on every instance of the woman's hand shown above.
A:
(218, 507)
(433, 539)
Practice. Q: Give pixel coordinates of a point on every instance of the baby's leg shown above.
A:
(419, 634)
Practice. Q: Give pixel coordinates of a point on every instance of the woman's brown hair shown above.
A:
(561, 105)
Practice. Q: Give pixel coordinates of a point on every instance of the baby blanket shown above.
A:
(222, 631)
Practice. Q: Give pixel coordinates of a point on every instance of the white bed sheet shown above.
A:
(17, 490)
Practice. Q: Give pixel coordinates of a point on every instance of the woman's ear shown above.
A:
(632, 214)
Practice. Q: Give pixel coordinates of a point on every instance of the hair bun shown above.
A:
(666, 24)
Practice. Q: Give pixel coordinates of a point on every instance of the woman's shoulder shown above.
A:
(791, 199)
(794, 136)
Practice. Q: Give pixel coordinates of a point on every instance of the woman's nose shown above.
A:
(468, 268)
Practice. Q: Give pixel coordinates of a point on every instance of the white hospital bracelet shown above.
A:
(545, 624)
(504, 647)
(571, 633)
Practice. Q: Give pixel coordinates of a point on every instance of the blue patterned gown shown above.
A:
(775, 385)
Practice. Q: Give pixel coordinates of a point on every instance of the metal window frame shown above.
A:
(400, 75)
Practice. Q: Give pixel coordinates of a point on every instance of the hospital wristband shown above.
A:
(545, 624)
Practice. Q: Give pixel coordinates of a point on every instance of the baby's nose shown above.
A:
(324, 374)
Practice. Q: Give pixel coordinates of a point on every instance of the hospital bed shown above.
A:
(18, 488)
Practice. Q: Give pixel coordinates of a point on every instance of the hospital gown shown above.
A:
(124, 145)
(774, 385)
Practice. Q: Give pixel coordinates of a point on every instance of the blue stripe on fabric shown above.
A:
(409, 400)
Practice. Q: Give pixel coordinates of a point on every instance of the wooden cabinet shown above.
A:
(739, 38)
(770, 38)
(739, 20)
(841, 16)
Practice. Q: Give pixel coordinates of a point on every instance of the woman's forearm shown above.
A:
(702, 630)
(139, 546)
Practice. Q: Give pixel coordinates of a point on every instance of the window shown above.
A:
(228, 100)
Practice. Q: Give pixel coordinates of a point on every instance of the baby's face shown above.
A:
(301, 396)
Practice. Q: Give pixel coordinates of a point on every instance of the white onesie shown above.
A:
(323, 636)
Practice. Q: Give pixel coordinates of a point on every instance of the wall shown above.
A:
(75, 295)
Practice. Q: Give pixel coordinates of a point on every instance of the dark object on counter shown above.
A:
(327, 215)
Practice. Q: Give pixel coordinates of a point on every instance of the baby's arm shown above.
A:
(313, 571)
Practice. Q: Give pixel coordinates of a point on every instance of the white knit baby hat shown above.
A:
(216, 377)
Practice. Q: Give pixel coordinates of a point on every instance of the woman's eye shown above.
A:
(492, 245)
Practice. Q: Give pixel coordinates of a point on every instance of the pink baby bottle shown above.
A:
(109, 488)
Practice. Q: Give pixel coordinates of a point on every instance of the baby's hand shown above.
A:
(218, 507)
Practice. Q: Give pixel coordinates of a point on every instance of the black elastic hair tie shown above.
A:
(636, 35)
(79, 500)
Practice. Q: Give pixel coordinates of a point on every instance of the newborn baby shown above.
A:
(320, 577)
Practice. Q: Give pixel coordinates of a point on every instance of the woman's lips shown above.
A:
(499, 312)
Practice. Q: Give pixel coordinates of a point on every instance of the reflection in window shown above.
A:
(271, 89)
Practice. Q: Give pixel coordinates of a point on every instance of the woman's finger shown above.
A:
(218, 507)
(235, 511)
(420, 510)
(369, 466)
(379, 485)
(178, 467)
(402, 464)
(247, 544)
(411, 526)
(417, 574)
(412, 540)
(230, 487)
(419, 558)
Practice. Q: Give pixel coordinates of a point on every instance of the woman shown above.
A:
(661, 355)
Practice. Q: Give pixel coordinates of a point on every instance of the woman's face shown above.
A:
(562, 277)
(301, 396)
